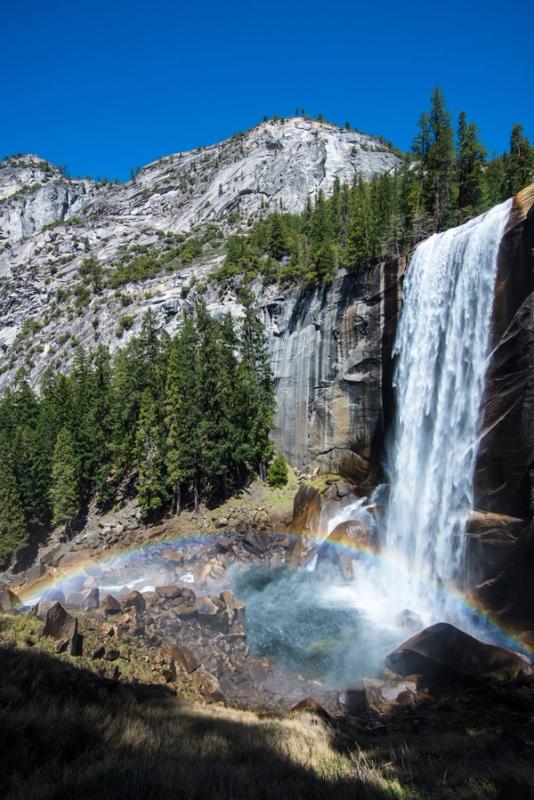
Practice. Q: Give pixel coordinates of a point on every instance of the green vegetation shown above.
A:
(64, 488)
(445, 181)
(124, 324)
(178, 419)
(144, 261)
(277, 474)
(13, 533)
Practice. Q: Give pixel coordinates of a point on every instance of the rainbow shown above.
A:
(466, 605)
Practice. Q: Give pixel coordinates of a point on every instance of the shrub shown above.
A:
(277, 473)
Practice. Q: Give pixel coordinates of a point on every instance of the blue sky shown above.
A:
(104, 86)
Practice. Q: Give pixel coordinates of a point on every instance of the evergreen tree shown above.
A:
(495, 182)
(277, 239)
(439, 162)
(150, 461)
(64, 491)
(182, 413)
(256, 385)
(216, 448)
(470, 164)
(277, 473)
(13, 532)
(519, 163)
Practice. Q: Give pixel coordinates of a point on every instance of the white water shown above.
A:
(442, 349)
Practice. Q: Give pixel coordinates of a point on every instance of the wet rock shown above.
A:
(75, 599)
(207, 607)
(504, 459)
(111, 605)
(408, 620)
(134, 600)
(491, 540)
(511, 592)
(443, 650)
(173, 555)
(255, 543)
(92, 599)
(223, 544)
(183, 656)
(9, 600)
(169, 592)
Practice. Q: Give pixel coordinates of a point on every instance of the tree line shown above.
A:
(173, 420)
(446, 180)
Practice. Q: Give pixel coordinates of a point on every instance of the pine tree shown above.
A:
(519, 163)
(358, 243)
(13, 532)
(182, 413)
(277, 239)
(64, 491)
(440, 161)
(150, 461)
(257, 386)
(215, 444)
(277, 474)
(470, 163)
(495, 182)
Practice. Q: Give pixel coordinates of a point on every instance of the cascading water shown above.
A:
(442, 355)
(442, 348)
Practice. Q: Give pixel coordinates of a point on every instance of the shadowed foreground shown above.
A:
(68, 733)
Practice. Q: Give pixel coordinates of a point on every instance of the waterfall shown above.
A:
(442, 354)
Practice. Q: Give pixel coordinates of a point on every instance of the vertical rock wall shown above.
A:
(331, 353)
(506, 455)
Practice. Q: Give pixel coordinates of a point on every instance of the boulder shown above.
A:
(9, 600)
(377, 695)
(346, 542)
(92, 599)
(491, 540)
(134, 600)
(227, 597)
(408, 620)
(176, 556)
(207, 607)
(208, 686)
(443, 650)
(111, 605)
(59, 623)
(169, 592)
(309, 706)
(63, 627)
(183, 656)
(309, 524)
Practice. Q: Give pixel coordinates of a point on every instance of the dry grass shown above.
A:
(66, 734)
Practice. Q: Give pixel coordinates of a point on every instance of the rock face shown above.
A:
(506, 455)
(331, 354)
(330, 413)
(445, 650)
